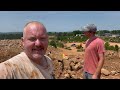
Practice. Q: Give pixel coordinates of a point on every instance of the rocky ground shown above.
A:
(68, 64)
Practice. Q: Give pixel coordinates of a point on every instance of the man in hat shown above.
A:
(94, 53)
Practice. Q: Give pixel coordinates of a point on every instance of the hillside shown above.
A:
(67, 63)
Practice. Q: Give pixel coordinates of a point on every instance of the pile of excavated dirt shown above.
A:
(68, 64)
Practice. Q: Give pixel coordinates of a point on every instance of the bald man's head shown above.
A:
(35, 40)
(33, 25)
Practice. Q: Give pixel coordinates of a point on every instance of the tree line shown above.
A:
(59, 35)
(11, 35)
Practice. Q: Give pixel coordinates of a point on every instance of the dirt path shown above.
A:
(73, 50)
(113, 44)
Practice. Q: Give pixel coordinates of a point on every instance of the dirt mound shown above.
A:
(68, 64)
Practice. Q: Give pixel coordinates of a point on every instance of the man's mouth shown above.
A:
(38, 50)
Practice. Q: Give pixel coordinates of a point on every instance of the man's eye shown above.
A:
(42, 38)
(32, 39)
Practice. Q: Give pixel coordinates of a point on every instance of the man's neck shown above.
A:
(92, 36)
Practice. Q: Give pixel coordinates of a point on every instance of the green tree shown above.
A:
(107, 45)
(52, 43)
(116, 48)
(59, 44)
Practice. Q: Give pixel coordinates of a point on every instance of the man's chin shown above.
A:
(37, 56)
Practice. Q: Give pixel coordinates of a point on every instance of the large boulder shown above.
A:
(105, 72)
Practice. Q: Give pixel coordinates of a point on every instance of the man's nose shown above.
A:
(37, 42)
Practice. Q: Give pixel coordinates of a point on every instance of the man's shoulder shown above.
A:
(99, 39)
(14, 61)
(15, 58)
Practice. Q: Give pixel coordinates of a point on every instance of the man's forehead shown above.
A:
(35, 31)
(33, 27)
(36, 26)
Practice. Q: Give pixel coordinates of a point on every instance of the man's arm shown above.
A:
(97, 73)
(3, 71)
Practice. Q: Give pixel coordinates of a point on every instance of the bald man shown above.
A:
(32, 63)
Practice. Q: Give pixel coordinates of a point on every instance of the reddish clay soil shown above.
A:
(71, 65)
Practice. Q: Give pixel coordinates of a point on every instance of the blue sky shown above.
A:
(59, 21)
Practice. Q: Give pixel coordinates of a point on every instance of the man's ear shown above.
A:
(22, 39)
